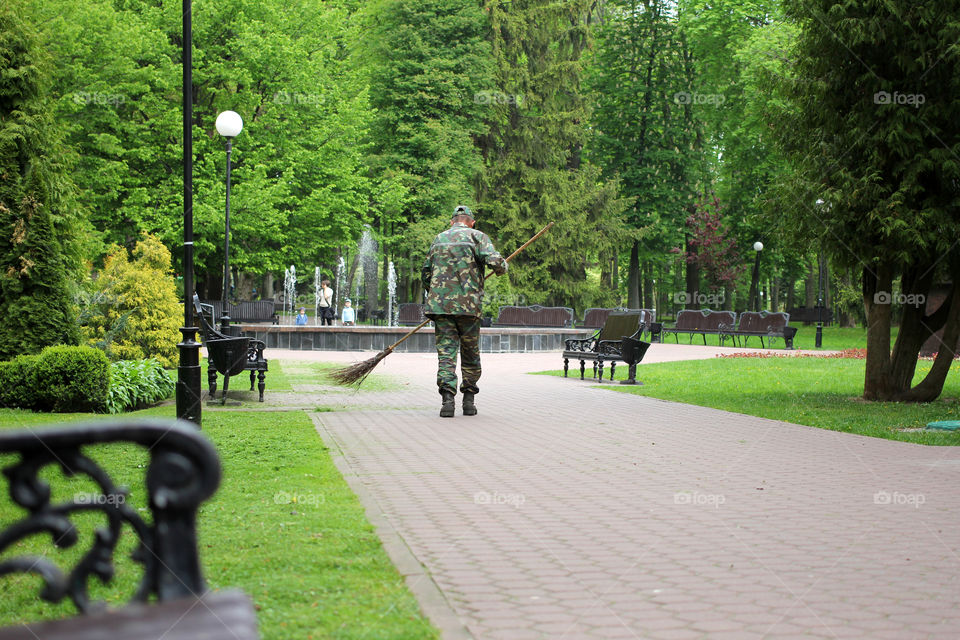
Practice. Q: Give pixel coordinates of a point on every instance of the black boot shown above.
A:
(469, 409)
(449, 406)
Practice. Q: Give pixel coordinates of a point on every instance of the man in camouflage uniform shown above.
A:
(453, 279)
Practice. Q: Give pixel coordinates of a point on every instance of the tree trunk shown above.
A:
(647, 285)
(792, 294)
(633, 277)
(931, 386)
(615, 276)
(876, 383)
(844, 316)
(693, 278)
(810, 286)
(775, 294)
(267, 293)
(827, 296)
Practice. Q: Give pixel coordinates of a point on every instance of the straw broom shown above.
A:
(357, 373)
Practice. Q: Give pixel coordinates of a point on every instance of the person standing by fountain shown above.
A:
(325, 303)
(349, 314)
(453, 278)
(301, 319)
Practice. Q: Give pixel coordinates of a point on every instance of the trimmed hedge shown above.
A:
(61, 379)
(135, 384)
(18, 383)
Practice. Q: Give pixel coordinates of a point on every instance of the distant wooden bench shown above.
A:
(762, 325)
(703, 321)
(183, 472)
(410, 314)
(607, 344)
(251, 311)
(535, 316)
(229, 355)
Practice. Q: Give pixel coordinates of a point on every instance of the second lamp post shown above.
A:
(758, 247)
(229, 125)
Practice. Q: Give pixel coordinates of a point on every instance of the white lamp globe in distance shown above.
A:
(229, 124)
(758, 246)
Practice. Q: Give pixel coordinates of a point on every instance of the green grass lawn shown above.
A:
(820, 392)
(284, 527)
(834, 338)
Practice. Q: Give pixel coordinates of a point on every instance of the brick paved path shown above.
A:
(565, 511)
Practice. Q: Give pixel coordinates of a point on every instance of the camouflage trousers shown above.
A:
(455, 333)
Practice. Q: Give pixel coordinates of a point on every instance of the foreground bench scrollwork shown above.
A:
(184, 470)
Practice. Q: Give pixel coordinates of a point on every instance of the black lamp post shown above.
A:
(229, 125)
(758, 247)
(189, 406)
(818, 342)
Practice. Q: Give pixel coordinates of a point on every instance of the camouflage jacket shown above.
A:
(453, 272)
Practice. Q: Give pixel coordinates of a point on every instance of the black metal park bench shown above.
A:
(252, 311)
(410, 314)
(761, 324)
(183, 472)
(229, 355)
(534, 316)
(702, 322)
(617, 341)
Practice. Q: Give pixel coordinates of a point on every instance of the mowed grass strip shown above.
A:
(834, 338)
(819, 392)
(283, 526)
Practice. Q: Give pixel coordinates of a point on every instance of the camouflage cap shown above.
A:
(463, 210)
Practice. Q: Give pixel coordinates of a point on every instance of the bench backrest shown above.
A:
(535, 316)
(253, 311)
(594, 317)
(704, 319)
(763, 322)
(410, 313)
(207, 318)
(184, 471)
(215, 305)
(620, 324)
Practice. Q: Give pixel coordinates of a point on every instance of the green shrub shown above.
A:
(132, 310)
(137, 383)
(72, 379)
(60, 379)
(18, 383)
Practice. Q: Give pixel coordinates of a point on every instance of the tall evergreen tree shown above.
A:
(34, 300)
(649, 131)
(534, 167)
(875, 135)
(428, 62)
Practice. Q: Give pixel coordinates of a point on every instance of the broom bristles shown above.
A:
(356, 373)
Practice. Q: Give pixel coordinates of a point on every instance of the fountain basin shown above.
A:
(374, 338)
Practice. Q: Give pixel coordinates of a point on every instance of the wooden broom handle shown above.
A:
(511, 257)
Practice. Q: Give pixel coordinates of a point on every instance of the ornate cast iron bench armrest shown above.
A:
(582, 344)
(184, 470)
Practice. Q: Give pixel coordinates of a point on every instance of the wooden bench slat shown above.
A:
(226, 615)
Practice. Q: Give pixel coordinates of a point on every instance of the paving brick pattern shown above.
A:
(566, 511)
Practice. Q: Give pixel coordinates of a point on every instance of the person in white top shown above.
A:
(349, 314)
(326, 304)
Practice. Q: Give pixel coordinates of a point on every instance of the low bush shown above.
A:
(18, 384)
(135, 384)
(72, 379)
(60, 379)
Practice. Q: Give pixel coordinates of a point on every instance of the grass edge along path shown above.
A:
(283, 526)
(812, 391)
